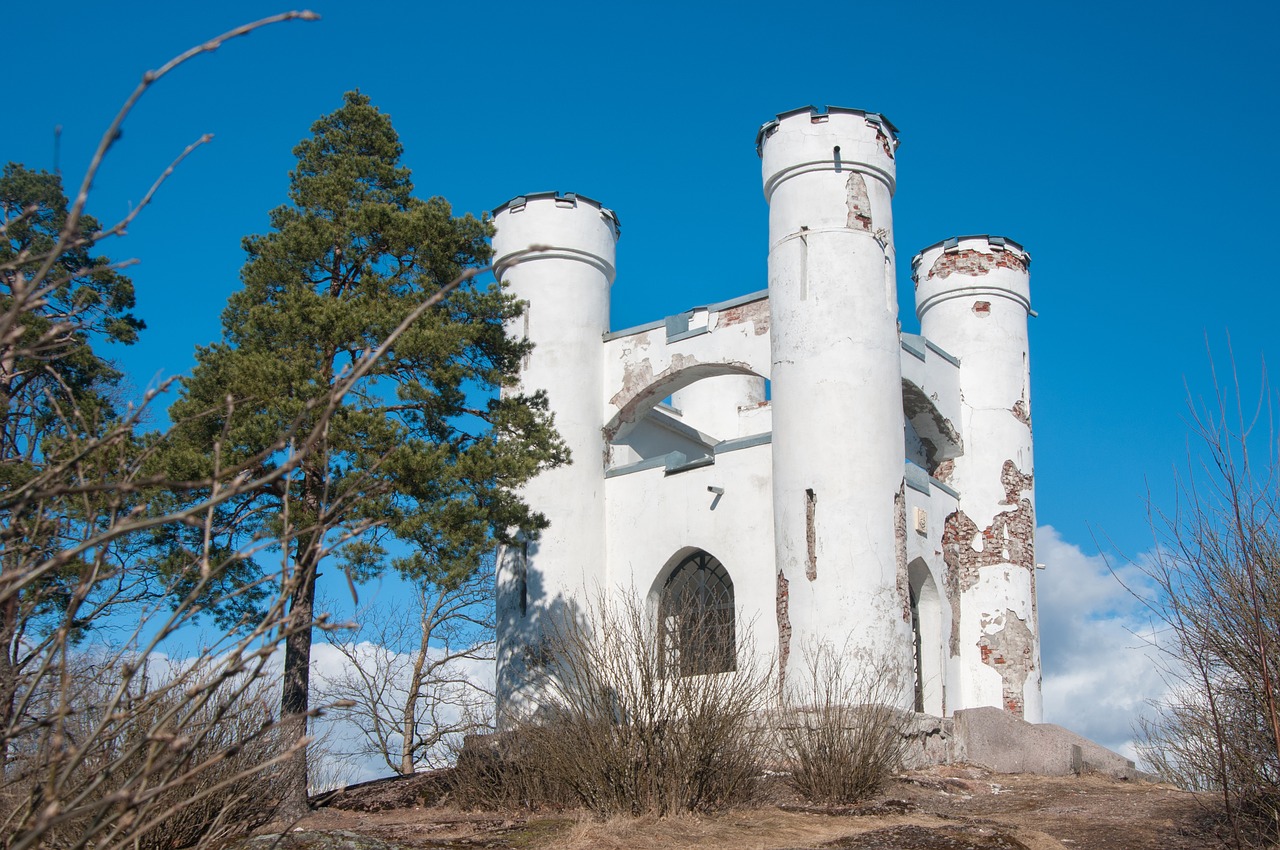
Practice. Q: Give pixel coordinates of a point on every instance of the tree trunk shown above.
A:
(295, 694)
(8, 677)
(409, 723)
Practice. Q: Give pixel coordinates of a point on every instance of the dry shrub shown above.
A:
(509, 771)
(171, 762)
(839, 731)
(619, 730)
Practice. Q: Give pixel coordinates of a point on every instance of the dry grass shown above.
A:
(745, 829)
(944, 807)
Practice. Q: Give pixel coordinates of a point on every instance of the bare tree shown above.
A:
(1216, 570)
(408, 673)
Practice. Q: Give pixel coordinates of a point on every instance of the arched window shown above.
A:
(696, 618)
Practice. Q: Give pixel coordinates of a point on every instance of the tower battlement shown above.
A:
(561, 226)
(563, 200)
(806, 140)
(971, 266)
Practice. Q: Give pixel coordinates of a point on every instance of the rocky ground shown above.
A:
(948, 808)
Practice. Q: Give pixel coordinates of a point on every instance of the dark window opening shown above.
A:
(916, 649)
(696, 618)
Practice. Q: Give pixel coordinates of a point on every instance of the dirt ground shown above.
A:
(947, 808)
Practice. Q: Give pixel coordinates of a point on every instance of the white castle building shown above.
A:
(789, 462)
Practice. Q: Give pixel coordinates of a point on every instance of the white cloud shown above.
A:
(343, 751)
(1095, 643)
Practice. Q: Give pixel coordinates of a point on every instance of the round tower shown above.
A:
(839, 515)
(973, 298)
(565, 283)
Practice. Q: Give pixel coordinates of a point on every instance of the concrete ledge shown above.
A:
(996, 739)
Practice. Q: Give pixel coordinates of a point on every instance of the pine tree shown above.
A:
(57, 299)
(423, 454)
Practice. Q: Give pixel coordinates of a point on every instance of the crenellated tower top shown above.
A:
(971, 266)
(831, 139)
(568, 225)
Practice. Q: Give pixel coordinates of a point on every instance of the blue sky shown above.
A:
(1128, 145)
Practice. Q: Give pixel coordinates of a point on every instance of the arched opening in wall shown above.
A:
(930, 437)
(696, 613)
(926, 629)
(691, 412)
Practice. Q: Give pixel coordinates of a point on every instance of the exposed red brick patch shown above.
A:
(900, 550)
(944, 470)
(753, 311)
(1011, 651)
(982, 309)
(811, 534)
(858, 202)
(782, 603)
(1015, 483)
(1010, 539)
(883, 139)
(1022, 412)
(974, 263)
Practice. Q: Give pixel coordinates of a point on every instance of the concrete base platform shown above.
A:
(995, 739)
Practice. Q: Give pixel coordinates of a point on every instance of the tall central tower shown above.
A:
(839, 514)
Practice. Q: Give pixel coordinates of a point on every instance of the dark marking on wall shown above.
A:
(900, 550)
(859, 203)
(804, 264)
(1010, 539)
(982, 309)
(975, 263)
(1011, 653)
(782, 603)
(756, 312)
(811, 534)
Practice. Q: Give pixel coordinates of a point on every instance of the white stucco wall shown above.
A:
(653, 517)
